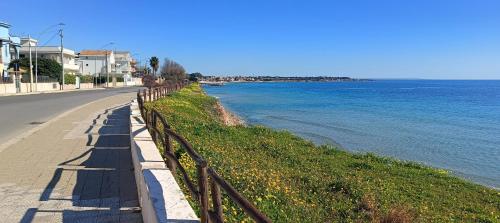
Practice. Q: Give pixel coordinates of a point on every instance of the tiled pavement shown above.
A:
(75, 169)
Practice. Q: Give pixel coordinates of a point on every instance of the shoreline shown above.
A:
(230, 119)
(227, 117)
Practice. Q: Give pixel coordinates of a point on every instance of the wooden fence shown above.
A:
(209, 182)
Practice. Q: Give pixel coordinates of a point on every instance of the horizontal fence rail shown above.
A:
(209, 182)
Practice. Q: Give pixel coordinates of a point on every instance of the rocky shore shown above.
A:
(227, 117)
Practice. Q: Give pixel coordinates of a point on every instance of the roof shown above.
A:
(47, 49)
(4, 24)
(95, 52)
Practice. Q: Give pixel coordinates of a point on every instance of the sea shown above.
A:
(447, 124)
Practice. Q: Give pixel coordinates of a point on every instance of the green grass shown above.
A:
(292, 180)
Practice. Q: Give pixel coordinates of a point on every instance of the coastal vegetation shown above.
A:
(292, 180)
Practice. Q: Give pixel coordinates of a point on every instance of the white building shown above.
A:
(49, 52)
(96, 62)
(123, 62)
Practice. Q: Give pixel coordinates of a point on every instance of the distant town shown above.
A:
(218, 79)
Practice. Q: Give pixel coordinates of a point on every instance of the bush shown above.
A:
(46, 67)
(69, 79)
(86, 79)
(148, 81)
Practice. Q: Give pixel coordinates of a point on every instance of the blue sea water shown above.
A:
(453, 125)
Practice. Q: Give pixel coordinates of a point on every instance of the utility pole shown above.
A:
(62, 58)
(31, 64)
(36, 66)
(107, 72)
(36, 51)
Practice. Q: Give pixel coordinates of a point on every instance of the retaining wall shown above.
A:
(160, 196)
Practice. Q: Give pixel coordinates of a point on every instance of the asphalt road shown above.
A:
(23, 112)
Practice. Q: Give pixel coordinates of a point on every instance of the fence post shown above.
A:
(203, 186)
(146, 119)
(149, 91)
(167, 148)
(217, 200)
(153, 125)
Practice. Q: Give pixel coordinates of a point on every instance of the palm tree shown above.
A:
(154, 62)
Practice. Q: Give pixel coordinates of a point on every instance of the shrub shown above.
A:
(86, 79)
(148, 81)
(69, 79)
(46, 67)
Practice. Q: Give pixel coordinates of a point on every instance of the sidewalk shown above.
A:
(76, 169)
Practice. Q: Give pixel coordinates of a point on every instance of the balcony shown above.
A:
(71, 67)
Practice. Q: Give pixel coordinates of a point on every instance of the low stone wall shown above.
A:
(7, 88)
(82, 86)
(10, 88)
(160, 196)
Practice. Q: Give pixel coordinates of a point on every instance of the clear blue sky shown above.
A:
(435, 39)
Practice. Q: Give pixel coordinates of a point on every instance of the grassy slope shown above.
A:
(290, 179)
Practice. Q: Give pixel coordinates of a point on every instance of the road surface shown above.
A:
(21, 113)
(75, 168)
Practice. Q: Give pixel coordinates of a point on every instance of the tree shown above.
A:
(46, 67)
(172, 71)
(195, 76)
(154, 62)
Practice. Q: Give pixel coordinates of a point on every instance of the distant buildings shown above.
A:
(114, 65)
(123, 62)
(96, 62)
(9, 49)
(275, 79)
(49, 52)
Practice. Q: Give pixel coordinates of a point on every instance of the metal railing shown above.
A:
(209, 182)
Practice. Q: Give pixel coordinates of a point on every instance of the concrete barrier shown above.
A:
(160, 196)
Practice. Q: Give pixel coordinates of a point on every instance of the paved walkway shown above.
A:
(77, 168)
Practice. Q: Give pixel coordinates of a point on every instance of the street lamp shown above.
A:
(107, 72)
(36, 51)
